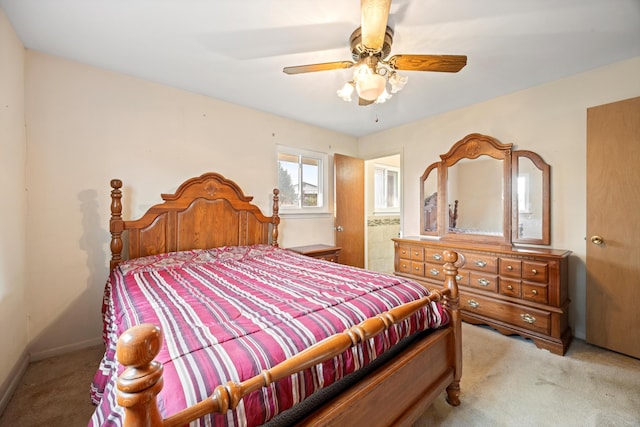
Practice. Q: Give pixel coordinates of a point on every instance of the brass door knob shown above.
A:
(597, 240)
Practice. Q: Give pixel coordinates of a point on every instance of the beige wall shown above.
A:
(13, 310)
(549, 119)
(87, 126)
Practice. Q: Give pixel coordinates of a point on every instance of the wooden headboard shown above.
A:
(205, 212)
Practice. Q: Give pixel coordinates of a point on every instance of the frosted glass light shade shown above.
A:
(346, 91)
(371, 86)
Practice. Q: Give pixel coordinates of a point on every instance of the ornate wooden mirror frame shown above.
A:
(493, 175)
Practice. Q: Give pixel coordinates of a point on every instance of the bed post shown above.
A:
(141, 381)
(452, 302)
(276, 217)
(116, 225)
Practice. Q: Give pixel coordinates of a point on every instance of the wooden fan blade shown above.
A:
(444, 63)
(363, 102)
(317, 67)
(375, 14)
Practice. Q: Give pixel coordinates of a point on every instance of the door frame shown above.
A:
(368, 193)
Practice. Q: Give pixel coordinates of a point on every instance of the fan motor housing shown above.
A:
(358, 51)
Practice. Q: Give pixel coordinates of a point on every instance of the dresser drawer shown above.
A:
(510, 287)
(417, 268)
(462, 278)
(510, 267)
(404, 251)
(486, 282)
(333, 257)
(404, 266)
(523, 317)
(535, 271)
(434, 271)
(535, 292)
(481, 262)
(433, 255)
(417, 253)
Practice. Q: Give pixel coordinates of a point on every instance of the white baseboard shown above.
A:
(57, 351)
(13, 380)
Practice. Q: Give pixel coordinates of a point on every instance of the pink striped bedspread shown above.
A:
(228, 313)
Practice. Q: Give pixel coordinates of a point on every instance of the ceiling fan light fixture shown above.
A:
(397, 82)
(370, 48)
(371, 87)
(346, 91)
(369, 84)
(384, 97)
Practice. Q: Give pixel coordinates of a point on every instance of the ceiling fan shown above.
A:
(370, 45)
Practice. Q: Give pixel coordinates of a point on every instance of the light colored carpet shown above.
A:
(506, 381)
(55, 391)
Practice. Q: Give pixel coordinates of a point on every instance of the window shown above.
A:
(387, 188)
(302, 180)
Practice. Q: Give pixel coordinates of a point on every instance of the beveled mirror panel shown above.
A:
(429, 197)
(476, 185)
(530, 198)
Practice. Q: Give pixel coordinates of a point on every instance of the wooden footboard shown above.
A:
(394, 394)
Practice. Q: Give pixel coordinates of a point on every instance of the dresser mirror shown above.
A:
(484, 197)
(481, 191)
(429, 196)
(530, 188)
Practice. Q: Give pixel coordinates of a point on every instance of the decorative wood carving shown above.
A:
(205, 212)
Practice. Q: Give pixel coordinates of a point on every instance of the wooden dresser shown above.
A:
(514, 290)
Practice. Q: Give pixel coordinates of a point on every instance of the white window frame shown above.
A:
(323, 179)
(385, 209)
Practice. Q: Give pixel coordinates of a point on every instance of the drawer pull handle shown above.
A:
(528, 318)
(458, 277)
(509, 267)
(473, 303)
(534, 271)
(417, 268)
(404, 265)
(484, 282)
(481, 264)
(403, 252)
(437, 257)
(534, 292)
(434, 272)
(510, 287)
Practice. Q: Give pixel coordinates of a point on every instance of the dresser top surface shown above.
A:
(512, 250)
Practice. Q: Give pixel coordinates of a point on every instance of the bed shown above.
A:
(209, 322)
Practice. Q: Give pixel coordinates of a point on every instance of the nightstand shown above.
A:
(325, 252)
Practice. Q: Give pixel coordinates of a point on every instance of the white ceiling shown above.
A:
(234, 50)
